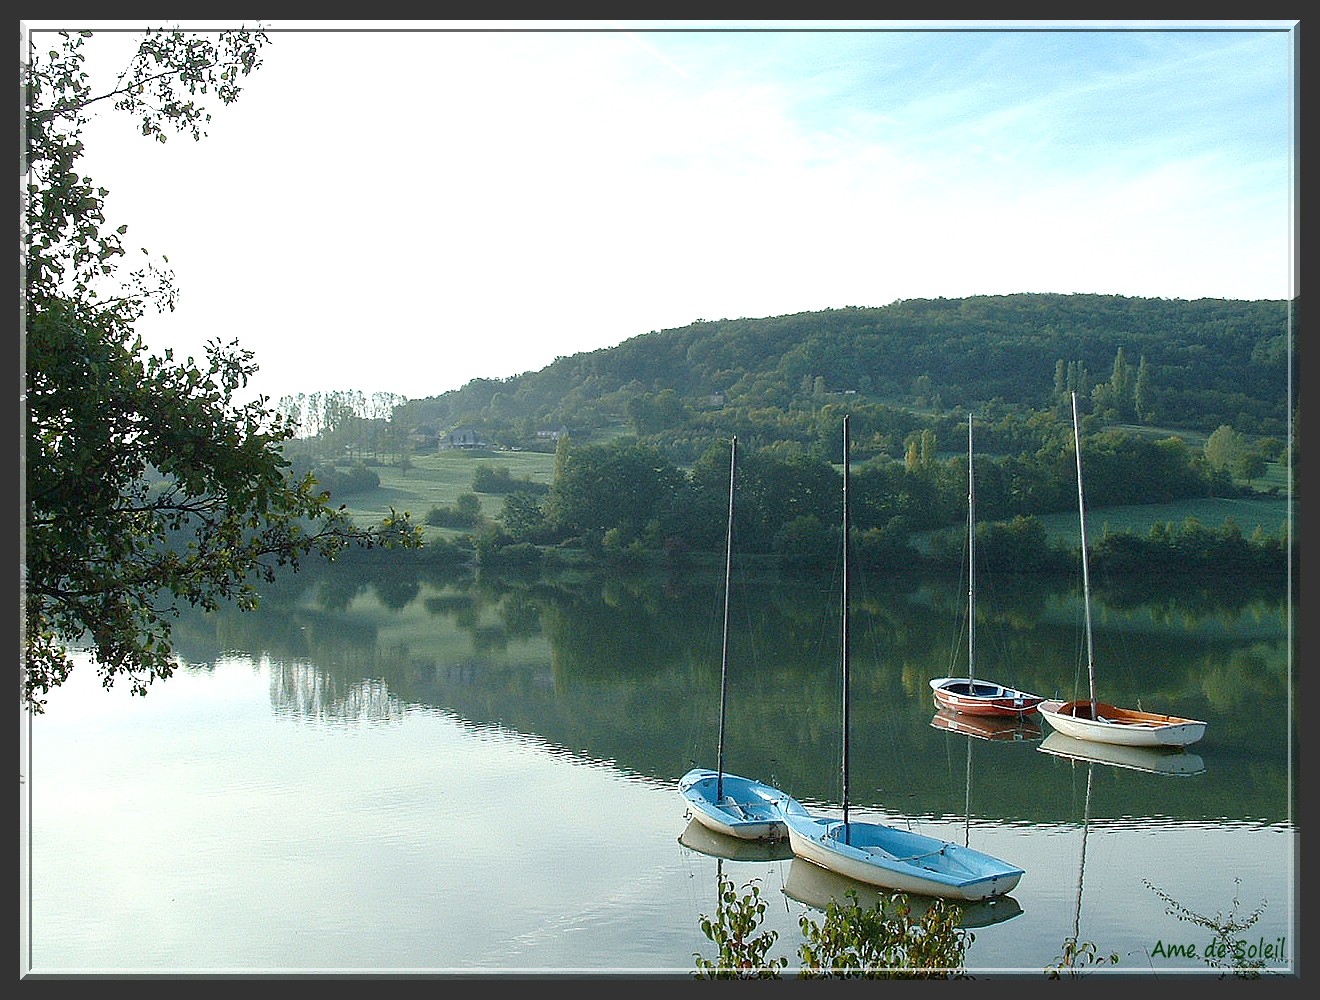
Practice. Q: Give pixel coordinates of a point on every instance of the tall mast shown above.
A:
(1086, 576)
(724, 651)
(844, 635)
(971, 559)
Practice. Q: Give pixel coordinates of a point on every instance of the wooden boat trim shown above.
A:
(1106, 713)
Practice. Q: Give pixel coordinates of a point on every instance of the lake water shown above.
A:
(411, 776)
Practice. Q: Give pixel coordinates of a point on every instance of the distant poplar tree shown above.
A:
(562, 447)
(1079, 380)
(1120, 386)
(1142, 400)
(927, 447)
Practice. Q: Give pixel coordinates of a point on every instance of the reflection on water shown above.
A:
(1156, 760)
(302, 691)
(443, 841)
(491, 782)
(626, 669)
(818, 888)
(716, 845)
(987, 727)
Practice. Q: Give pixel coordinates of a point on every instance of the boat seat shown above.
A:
(876, 851)
(745, 810)
(880, 852)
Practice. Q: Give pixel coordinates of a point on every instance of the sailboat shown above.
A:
(1089, 718)
(967, 694)
(880, 855)
(726, 803)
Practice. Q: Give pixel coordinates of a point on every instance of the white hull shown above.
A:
(748, 809)
(1131, 729)
(897, 860)
(818, 887)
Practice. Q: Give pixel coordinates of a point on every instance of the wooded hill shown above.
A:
(1179, 400)
(1186, 364)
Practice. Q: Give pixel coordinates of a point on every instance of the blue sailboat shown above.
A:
(730, 804)
(886, 856)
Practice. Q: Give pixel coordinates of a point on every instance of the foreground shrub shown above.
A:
(886, 941)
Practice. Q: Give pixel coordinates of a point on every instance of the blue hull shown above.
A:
(898, 860)
(748, 810)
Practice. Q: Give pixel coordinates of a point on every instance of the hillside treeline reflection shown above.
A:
(626, 667)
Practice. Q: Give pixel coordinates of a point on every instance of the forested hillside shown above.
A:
(1194, 365)
(1180, 401)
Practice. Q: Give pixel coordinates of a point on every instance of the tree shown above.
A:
(921, 390)
(1223, 448)
(921, 447)
(805, 544)
(1250, 465)
(623, 486)
(524, 517)
(147, 485)
(1120, 386)
(1060, 382)
(1142, 399)
(1079, 381)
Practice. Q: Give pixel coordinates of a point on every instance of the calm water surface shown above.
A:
(475, 780)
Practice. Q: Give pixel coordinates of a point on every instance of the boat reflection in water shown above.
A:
(986, 727)
(1168, 761)
(1171, 760)
(706, 841)
(817, 887)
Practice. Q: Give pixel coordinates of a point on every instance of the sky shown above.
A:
(402, 207)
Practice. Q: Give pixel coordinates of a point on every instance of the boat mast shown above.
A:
(971, 560)
(844, 635)
(1086, 577)
(724, 650)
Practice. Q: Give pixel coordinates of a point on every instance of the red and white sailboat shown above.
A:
(967, 695)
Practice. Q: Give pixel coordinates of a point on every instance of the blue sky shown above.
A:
(402, 206)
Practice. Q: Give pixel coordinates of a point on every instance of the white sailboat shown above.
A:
(1091, 719)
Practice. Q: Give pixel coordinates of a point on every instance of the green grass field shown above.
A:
(436, 480)
(1269, 513)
